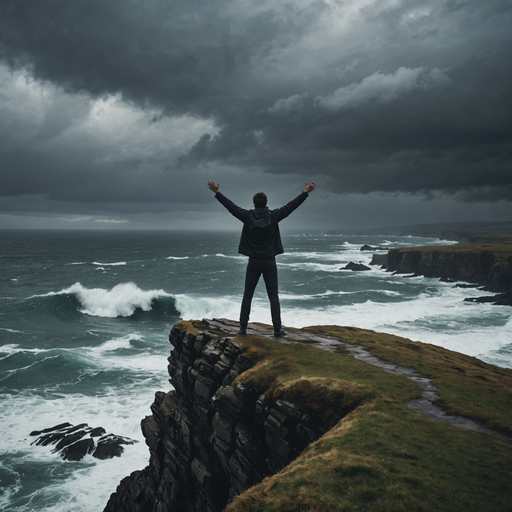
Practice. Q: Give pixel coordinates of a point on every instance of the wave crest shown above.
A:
(122, 300)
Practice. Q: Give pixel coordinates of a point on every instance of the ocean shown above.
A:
(85, 318)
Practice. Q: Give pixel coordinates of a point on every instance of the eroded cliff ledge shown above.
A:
(489, 265)
(324, 430)
(213, 437)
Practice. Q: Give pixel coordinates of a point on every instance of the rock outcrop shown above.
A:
(502, 299)
(484, 265)
(367, 247)
(210, 440)
(356, 267)
(75, 442)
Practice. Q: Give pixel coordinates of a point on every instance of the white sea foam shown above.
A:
(116, 343)
(191, 307)
(322, 267)
(328, 256)
(16, 348)
(118, 413)
(177, 258)
(437, 317)
(291, 296)
(122, 300)
(239, 257)
(14, 331)
(116, 264)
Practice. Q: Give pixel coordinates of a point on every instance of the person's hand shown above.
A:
(309, 188)
(215, 188)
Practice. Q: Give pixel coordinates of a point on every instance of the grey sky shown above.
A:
(115, 114)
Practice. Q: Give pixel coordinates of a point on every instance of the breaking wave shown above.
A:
(123, 300)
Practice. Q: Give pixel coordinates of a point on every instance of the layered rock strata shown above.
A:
(209, 440)
(75, 442)
(487, 267)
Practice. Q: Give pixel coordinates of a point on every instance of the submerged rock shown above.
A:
(75, 442)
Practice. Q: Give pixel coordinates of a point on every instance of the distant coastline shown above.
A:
(464, 232)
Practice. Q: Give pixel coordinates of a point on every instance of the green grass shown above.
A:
(379, 455)
(467, 386)
(491, 239)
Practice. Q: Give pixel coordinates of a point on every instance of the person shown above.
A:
(261, 241)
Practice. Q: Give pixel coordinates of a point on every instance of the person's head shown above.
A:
(259, 200)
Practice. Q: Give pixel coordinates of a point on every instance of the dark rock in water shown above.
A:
(366, 247)
(357, 267)
(447, 280)
(110, 446)
(75, 442)
(78, 450)
(502, 299)
(465, 285)
(57, 427)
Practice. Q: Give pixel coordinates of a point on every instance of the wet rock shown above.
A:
(75, 442)
(357, 267)
(111, 446)
(502, 299)
(78, 450)
(367, 247)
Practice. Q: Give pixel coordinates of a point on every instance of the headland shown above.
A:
(312, 422)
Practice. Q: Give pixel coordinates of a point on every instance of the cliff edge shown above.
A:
(489, 265)
(314, 423)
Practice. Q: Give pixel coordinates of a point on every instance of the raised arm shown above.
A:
(309, 188)
(232, 208)
(215, 188)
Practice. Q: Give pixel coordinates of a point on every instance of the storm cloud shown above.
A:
(127, 106)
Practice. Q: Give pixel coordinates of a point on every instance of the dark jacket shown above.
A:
(260, 235)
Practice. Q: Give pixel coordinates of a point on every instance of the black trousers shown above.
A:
(255, 268)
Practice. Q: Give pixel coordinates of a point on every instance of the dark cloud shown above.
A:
(402, 96)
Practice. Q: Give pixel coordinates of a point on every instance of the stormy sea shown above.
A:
(85, 318)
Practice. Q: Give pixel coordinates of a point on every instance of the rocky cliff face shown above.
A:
(210, 440)
(490, 268)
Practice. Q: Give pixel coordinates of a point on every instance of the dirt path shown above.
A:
(424, 405)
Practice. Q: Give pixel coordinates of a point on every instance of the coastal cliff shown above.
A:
(212, 438)
(489, 265)
(312, 423)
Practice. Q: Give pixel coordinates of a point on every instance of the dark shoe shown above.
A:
(280, 333)
(241, 332)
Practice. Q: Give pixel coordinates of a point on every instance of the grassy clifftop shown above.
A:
(383, 456)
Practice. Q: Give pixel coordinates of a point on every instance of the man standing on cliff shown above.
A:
(261, 241)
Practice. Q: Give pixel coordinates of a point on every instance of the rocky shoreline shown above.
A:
(484, 265)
